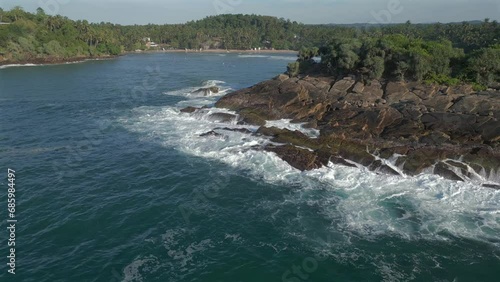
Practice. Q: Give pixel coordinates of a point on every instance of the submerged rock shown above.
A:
(207, 91)
(211, 133)
(492, 186)
(222, 117)
(241, 130)
(189, 110)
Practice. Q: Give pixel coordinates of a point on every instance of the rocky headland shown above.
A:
(450, 131)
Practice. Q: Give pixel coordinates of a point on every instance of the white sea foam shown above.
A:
(286, 58)
(19, 65)
(233, 237)
(191, 92)
(270, 57)
(184, 256)
(432, 206)
(253, 56)
(132, 271)
(421, 207)
(61, 63)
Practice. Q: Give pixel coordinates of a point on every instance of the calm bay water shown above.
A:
(115, 184)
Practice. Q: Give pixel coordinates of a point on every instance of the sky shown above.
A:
(305, 11)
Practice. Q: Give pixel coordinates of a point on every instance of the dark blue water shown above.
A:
(113, 183)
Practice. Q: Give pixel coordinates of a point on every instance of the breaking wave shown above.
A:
(20, 65)
(271, 57)
(198, 91)
(360, 201)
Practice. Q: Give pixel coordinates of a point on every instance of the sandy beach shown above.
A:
(219, 51)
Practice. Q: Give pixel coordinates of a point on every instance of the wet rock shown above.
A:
(484, 160)
(427, 124)
(299, 158)
(341, 161)
(222, 117)
(287, 136)
(444, 170)
(419, 159)
(356, 152)
(242, 130)
(189, 110)
(382, 168)
(211, 133)
(248, 116)
(492, 186)
(207, 91)
(490, 131)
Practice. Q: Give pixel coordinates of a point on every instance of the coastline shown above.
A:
(217, 51)
(59, 61)
(394, 128)
(52, 61)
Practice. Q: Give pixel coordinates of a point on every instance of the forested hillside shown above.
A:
(24, 35)
(445, 53)
(400, 57)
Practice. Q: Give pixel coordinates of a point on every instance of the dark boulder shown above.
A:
(189, 110)
(241, 130)
(222, 117)
(299, 158)
(445, 171)
(207, 91)
(211, 133)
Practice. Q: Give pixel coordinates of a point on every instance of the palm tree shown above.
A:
(55, 22)
(40, 11)
(83, 28)
(17, 12)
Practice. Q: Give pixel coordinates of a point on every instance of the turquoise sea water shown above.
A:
(115, 184)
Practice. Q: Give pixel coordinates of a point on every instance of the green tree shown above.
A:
(16, 13)
(53, 48)
(306, 54)
(484, 66)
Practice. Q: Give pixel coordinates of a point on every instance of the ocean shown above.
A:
(114, 183)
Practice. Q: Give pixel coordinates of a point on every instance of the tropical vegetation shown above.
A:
(443, 53)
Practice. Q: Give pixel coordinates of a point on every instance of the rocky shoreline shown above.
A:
(389, 127)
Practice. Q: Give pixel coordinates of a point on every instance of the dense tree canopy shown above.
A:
(404, 52)
(446, 53)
